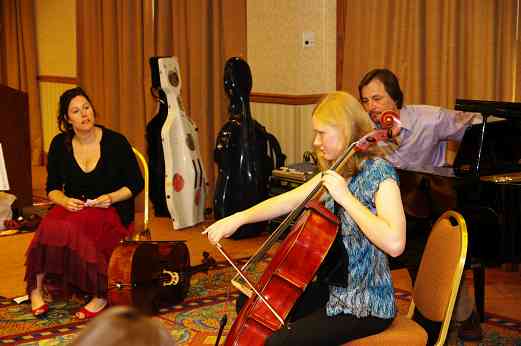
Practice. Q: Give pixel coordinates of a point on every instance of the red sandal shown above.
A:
(40, 311)
(87, 313)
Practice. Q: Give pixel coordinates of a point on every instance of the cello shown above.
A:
(287, 276)
(151, 274)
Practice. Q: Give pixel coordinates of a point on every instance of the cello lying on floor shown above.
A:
(151, 274)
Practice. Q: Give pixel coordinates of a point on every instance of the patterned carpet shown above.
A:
(194, 322)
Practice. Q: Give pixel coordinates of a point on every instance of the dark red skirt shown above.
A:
(74, 249)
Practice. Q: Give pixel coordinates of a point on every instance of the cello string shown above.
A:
(261, 297)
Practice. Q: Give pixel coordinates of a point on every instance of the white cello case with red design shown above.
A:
(185, 178)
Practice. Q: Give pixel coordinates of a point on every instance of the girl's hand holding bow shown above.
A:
(223, 228)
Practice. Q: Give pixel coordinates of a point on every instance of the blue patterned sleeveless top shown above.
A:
(370, 289)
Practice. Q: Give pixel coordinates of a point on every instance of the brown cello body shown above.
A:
(291, 269)
(149, 274)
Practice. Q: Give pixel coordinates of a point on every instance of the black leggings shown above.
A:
(309, 324)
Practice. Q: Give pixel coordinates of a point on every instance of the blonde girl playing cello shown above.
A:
(367, 200)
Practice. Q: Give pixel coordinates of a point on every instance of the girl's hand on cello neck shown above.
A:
(386, 228)
(336, 186)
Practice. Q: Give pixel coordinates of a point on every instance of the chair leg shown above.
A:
(478, 270)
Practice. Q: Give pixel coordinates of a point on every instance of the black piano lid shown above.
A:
(500, 151)
(500, 109)
(490, 148)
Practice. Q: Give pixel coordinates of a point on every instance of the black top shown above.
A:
(116, 168)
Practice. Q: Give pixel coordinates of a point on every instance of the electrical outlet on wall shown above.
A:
(308, 39)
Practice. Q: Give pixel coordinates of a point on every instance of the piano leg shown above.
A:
(515, 225)
(478, 273)
(509, 201)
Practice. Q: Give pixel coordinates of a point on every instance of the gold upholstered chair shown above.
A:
(435, 289)
(141, 231)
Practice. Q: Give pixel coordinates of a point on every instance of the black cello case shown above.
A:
(156, 160)
(245, 152)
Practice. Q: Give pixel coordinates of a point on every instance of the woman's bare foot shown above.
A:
(37, 298)
(95, 306)
(38, 305)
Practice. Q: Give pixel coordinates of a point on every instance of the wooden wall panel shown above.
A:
(15, 138)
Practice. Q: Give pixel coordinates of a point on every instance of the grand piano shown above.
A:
(486, 189)
(489, 162)
(488, 171)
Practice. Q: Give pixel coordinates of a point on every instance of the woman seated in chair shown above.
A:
(92, 179)
(359, 300)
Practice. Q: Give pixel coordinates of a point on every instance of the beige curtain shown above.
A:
(111, 64)
(116, 39)
(18, 62)
(516, 68)
(440, 49)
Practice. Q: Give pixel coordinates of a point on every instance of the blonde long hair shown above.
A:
(342, 110)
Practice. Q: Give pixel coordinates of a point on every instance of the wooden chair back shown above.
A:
(440, 271)
(142, 233)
